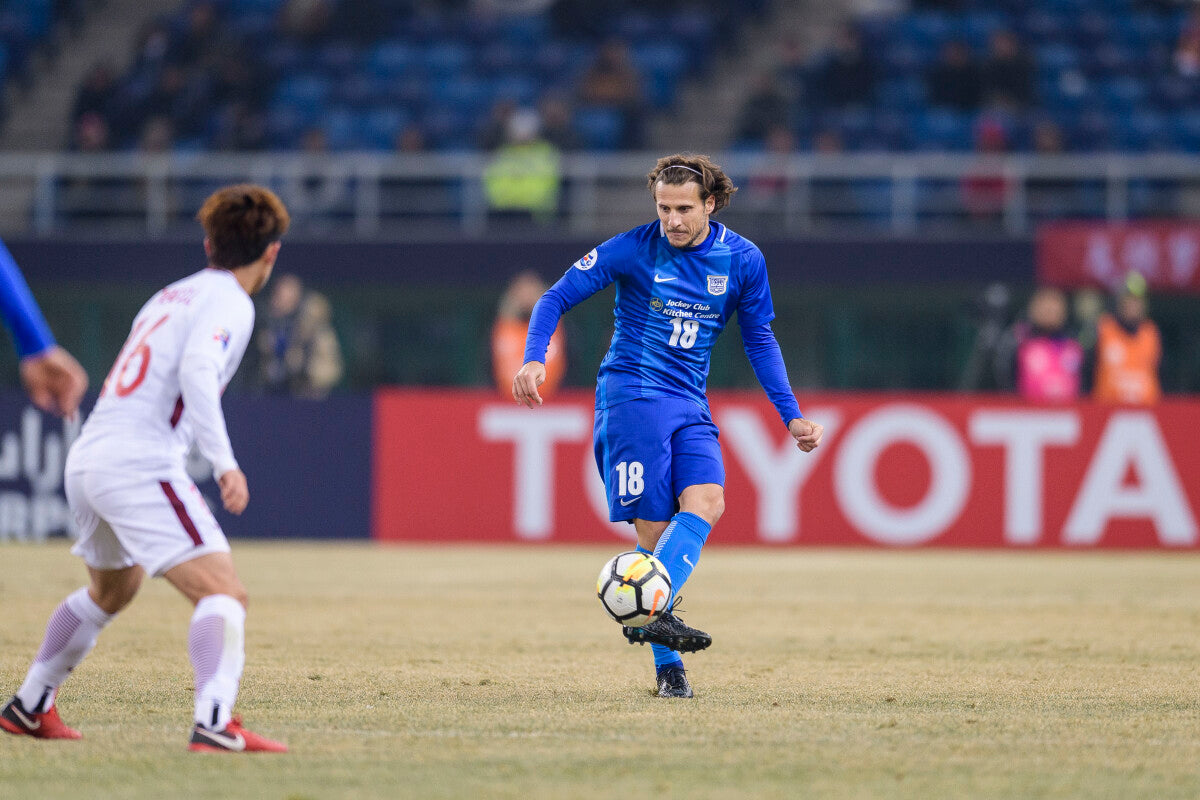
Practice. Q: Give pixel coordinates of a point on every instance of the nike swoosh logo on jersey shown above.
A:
(32, 725)
(236, 743)
(688, 561)
(663, 278)
(630, 502)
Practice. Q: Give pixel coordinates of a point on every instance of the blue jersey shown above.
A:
(672, 304)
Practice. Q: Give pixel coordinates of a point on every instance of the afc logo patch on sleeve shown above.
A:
(221, 335)
(587, 262)
(717, 284)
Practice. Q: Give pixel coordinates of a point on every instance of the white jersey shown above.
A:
(164, 390)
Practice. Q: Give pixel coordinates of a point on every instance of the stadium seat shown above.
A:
(600, 128)
(381, 125)
(392, 58)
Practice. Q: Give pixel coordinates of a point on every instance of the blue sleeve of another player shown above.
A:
(20, 310)
(586, 276)
(765, 356)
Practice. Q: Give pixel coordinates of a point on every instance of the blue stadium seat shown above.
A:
(341, 126)
(446, 58)
(392, 58)
(447, 129)
(902, 93)
(464, 93)
(1146, 129)
(1041, 26)
(980, 24)
(930, 29)
(525, 31)
(285, 123)
(1122, 93)
(661, 64)
(943, 129)
(521, 88)
(600, 128)
(308, 90)
(381, 126)
(1186, 129)
(338, 58)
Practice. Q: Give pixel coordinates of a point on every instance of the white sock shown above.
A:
(70, 635)
(216, 645)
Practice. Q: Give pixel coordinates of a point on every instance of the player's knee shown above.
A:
(709, 504)
(715, 507)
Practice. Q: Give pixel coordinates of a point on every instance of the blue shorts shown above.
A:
(649, 450)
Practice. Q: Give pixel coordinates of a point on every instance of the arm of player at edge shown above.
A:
(767, 360)
(54, 379)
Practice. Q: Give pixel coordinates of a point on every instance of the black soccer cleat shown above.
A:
(669, 631)
(673, 682)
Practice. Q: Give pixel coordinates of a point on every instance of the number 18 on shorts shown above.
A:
(650, 450)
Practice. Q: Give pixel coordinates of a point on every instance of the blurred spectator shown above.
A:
(955, 81)
(177, 99)
(158, 136)
(985, 189)
(199, 37)
(845, 76)
(765, 108)
(306, 20)
(613, 82)
(314, 195)
(297, 347)
(366, 21)
(494, 131)
(508, 336)
(1045, 362)
(766, 189)
(1128, 350)
(153, 46)
(1007, 72)
(1187, 54)
(558, 127)
(97, 92)
(90, 134)
(239, 126)
(991, 314)
(411, 139)
(1050, 196)
(522, 178)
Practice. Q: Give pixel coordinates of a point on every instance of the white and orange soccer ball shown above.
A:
(634, 588)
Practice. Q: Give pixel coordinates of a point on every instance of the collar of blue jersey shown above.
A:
(716, 233)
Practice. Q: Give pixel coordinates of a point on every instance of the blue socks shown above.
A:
(679, 550)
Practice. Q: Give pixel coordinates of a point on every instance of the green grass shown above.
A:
(492, 672)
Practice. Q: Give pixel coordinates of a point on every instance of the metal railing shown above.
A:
(374, 195)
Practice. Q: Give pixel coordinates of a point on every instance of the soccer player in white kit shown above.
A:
(136, 508)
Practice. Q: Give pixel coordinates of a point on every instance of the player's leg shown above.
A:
(74, 626)
(216, 646)
(71, 634)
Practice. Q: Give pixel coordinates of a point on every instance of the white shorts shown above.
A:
(126, 519)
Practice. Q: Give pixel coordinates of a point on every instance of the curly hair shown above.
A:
(695, 168)
(240, 222)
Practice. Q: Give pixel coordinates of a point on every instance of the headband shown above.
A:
(681, 166)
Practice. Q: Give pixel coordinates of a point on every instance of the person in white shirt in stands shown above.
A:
(136, 508)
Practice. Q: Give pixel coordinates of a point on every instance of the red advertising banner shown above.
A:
(1076, 254)
(893, 470)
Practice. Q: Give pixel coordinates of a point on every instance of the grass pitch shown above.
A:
(492, 672)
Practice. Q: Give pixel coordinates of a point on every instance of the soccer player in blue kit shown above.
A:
(679, 280)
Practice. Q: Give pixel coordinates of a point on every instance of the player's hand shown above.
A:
(807, 433)
(55, 381)
(525, 384)
(235, 494)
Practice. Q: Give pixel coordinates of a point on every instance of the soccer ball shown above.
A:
(634, 588)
